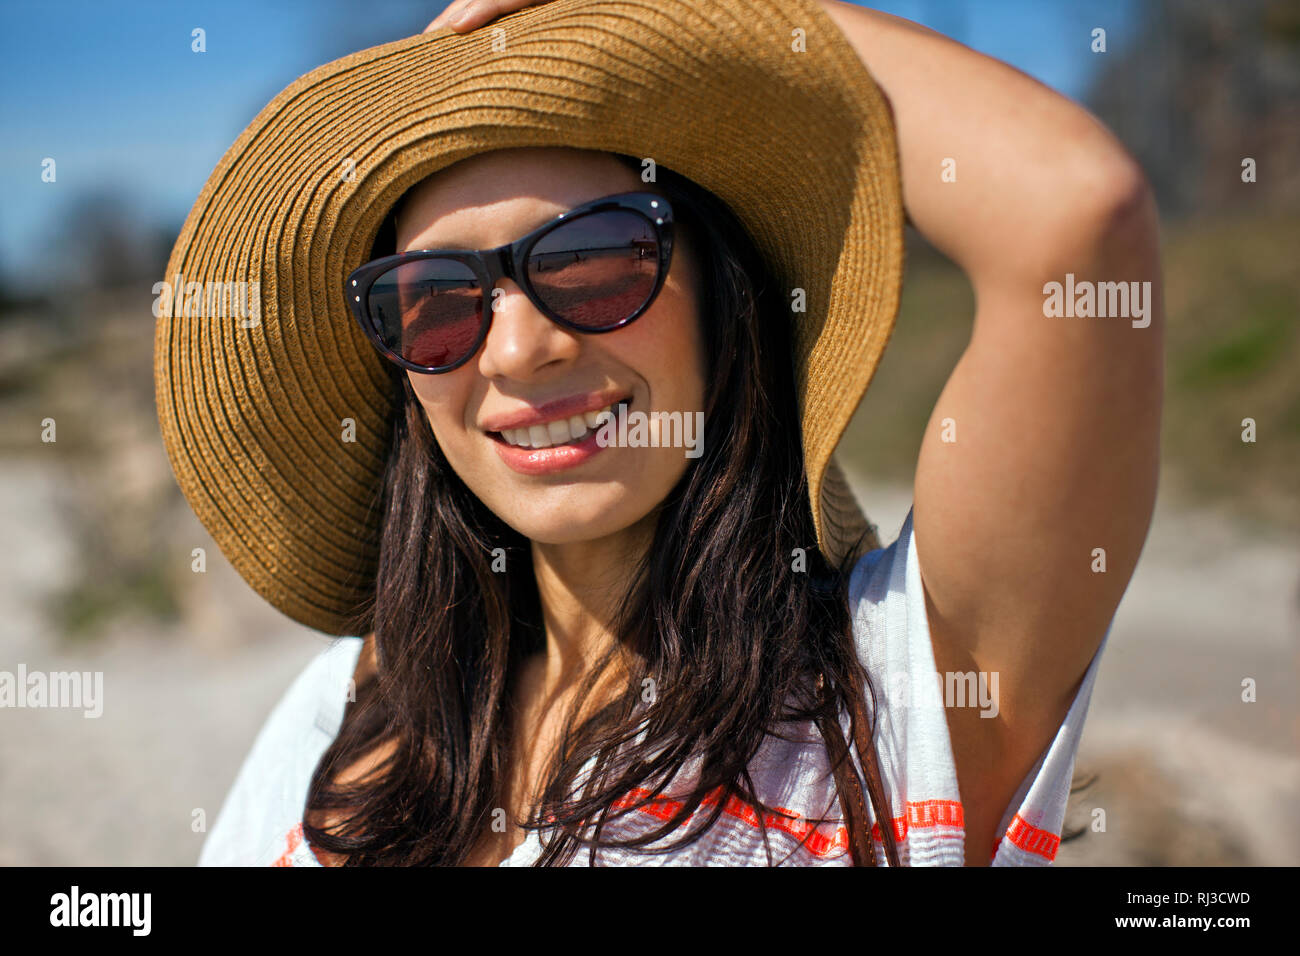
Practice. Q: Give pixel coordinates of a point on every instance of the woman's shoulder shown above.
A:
(882, 597)
(270, 789)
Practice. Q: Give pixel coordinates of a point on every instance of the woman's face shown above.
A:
(530, 372)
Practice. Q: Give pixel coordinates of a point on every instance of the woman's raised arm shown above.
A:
(1037, 474)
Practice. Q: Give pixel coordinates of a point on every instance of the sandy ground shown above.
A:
(1185, 771)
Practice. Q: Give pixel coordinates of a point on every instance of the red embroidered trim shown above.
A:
(921, 814)
(819, 842)
(1031, 839)
(292, 839)
(924, 815)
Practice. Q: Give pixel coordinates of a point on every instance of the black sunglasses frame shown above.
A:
(505, 262)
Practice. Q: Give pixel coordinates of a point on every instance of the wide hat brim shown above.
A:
(276, 418)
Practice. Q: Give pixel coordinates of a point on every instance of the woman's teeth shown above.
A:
(558, 432)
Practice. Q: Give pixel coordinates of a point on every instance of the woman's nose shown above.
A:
(522, 342)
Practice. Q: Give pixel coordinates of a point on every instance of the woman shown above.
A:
(584, 649)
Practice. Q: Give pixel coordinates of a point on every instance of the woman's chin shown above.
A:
(557, 531)
(558, 522)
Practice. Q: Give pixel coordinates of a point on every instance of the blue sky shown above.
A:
(113, 92)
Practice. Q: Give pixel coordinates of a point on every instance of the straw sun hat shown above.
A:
(276, 417)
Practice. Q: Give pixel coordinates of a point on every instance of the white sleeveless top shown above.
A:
(260, 823)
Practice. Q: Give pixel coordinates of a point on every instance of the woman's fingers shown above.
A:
(443, 19)
(466, 15)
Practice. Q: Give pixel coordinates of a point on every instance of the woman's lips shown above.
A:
(550, 411)
(545, 461)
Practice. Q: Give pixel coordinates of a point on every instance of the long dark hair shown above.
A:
(737, 635)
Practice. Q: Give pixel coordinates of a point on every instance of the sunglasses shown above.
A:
(592, 269)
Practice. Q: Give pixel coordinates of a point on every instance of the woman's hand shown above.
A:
(465, 15)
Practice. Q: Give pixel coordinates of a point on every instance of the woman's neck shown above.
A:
(583, 586)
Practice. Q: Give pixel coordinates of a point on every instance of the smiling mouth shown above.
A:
(562, 431)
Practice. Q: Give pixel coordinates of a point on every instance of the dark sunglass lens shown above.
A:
(430, 311)
(597, 270)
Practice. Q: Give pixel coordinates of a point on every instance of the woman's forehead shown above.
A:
(506, 192)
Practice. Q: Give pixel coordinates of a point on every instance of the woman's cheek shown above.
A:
(444, 407)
